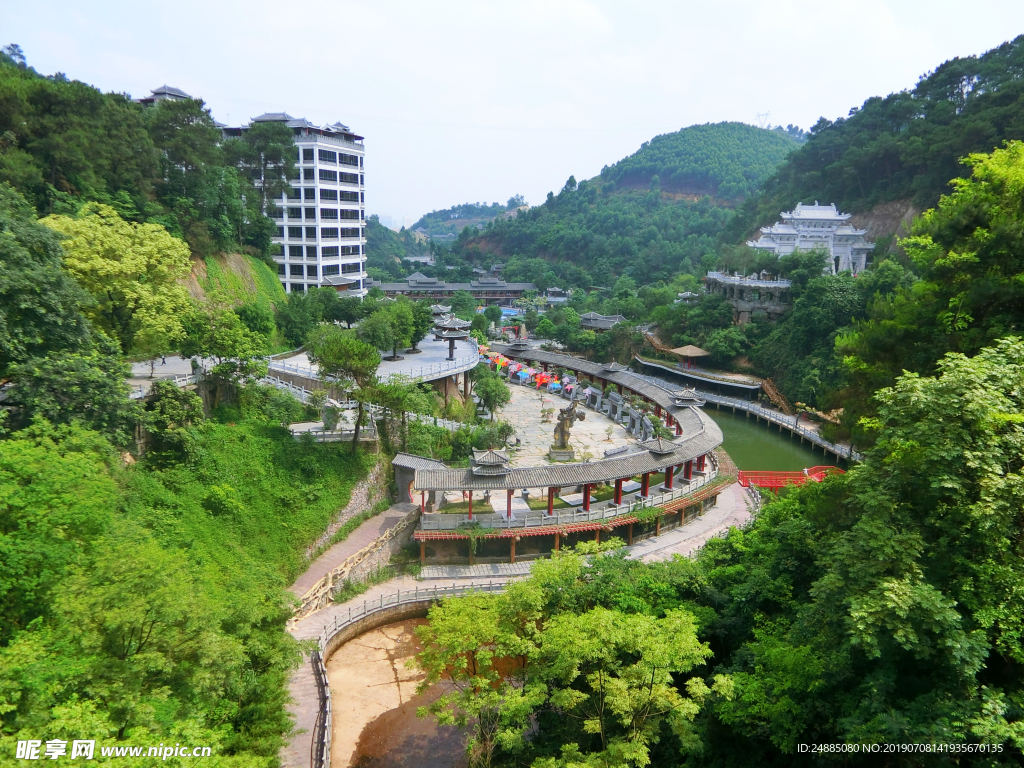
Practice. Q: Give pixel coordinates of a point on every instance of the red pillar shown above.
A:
(551, 501)
(618, 491)
(586, 497)
(701, 460)
(645, 484)
(668, 477)
(657, 410)
(688, 470)
(509, 509)
(470, 505)
(679, 429)
(620, 389)
(423, 502)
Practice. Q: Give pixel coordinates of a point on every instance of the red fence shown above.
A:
(782, 479)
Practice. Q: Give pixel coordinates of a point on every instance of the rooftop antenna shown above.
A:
(762, 118)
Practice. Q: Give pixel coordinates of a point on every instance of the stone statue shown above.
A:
(566, 418)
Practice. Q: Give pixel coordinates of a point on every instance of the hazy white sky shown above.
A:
(475, 101)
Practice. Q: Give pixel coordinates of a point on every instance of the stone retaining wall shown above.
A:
(366, 495)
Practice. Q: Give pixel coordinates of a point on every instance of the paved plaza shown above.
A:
(590, 437)
(432, 358)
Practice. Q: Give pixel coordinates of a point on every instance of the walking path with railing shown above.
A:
(603, 510)
(772, 416)
(430, 372)
(311, 696)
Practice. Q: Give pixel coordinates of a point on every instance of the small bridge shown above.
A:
(776, 480)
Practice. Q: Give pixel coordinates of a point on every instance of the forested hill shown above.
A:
(727, 161)
(906, 146)
(453, 220)
(627, 221)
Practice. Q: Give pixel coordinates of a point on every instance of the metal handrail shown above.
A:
(439, 521)
(458, 364)
(722, 277)
(320, 752)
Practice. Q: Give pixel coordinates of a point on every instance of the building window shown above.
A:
(309, 174)
(350, 250)
(295, 232)
(311, 214)
(350, 197)
(331, 269)
(280, 232)
(295, 270)
(326, 175)
(329, 194)
(330, 252)
(311, 233)
(298, 288)
(311, 270)
(311, 252)
(349, 178)
(295, 213)
(350, 268)
(348, 159)
(280, 270)
(350, 214)
(307, 155)
(328, 213)
(362, 179)
(349, 232)
(329, 233)
(275, 213)
(326, 156)
(294, 194)
(311, 193)
(295, 251)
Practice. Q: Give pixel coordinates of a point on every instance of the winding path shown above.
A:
(732, 510)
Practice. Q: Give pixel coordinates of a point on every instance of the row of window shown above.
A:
(326, 233)
(326, 194)
(310, 270)
(311, 215)
(328, 251)
(327, 156)
(300, 288)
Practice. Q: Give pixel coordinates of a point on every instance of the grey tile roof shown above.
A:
(561, 475)
(412, 461)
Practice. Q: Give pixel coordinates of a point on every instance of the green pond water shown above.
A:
(756, 445)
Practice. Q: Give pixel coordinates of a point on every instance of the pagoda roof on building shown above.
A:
(424, 283)
(273, 117)
(170, 90)
(690, 351)
(595, 320)
(703, 436)
(490, 456)
(439, 309)
(815, 212)
(412, 461)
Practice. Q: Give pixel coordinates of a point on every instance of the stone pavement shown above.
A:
(361, 537)
(731, 510)
(431, 353)
(590, 437)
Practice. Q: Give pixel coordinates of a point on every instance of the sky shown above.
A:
(469, 101)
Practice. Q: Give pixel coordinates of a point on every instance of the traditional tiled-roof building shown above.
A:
(807, 227)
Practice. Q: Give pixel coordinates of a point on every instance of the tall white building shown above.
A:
(320, 239)
(817, 226)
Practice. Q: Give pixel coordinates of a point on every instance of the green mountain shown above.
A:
(727, 161)
(652, 215)
(453, 220)
(906, 146)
